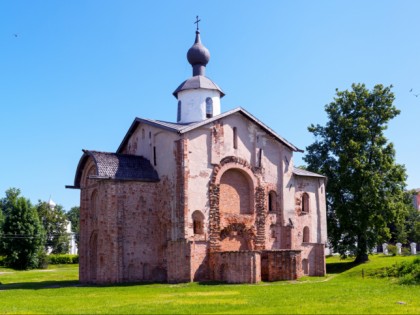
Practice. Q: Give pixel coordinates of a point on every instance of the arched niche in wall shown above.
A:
(93, 256)
(236, 192)
(305, 266)
(93, 207)
(305, 235)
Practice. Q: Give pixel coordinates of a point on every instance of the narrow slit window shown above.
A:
(154, 156)
(260, 153)
(235, 138)
(209, 107)
(305, 203)
(179, 111)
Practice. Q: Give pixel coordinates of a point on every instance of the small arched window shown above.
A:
(209, 107)
(179, 111)
(272, 196)
(305, 235)
(142, 133)
(305, 203)
(198, 222)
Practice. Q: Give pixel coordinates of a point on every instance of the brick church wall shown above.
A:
(119, 240)
(237, 266)
(199, 261)
(282, 265)
(315, 259)
(178, 258)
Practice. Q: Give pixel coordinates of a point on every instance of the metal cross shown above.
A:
(196, 22)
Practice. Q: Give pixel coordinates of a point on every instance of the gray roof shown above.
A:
(198, 82)
(301, 172)
(117, 166)
(184, 128)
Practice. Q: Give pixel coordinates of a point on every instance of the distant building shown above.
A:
(212, 196)
(70, 233)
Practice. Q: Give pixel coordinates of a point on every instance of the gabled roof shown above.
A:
(184, 128)
(117, 166)
(301, 172)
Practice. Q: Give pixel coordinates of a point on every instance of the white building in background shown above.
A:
(70, 233)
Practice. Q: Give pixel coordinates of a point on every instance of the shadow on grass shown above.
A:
(339, 267)
(66, 284)
(39, 285)
(211, 283)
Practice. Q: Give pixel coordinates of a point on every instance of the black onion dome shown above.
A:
(198, 54)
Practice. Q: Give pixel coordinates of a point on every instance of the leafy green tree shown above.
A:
(23, 235)
(73, 215)
(365, 190)
(412, 221)
(54, 221)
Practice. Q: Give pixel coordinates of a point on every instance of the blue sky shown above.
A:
(75, 74)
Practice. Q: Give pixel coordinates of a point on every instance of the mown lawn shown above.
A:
(342, 291)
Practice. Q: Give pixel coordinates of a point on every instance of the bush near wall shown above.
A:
(61, 259)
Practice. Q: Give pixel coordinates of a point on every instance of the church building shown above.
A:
(211, 197)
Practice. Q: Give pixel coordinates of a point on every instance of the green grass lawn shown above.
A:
(343, 291)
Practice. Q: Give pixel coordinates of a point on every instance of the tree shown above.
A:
(412, 221)
(73, 215)
(23, 235)
(54, 221)
(365, 190)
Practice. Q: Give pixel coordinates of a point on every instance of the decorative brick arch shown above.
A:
(89, 170)
(256, 192)
(232, 162)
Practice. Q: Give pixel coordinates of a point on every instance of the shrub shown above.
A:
(407, 272)
(2, 262)
(392, 250)
(61, 259)
(43, 260)
(405, 251)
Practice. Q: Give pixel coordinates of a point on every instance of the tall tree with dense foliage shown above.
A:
(73, 215)
(54, 221)
(23, 236)
(365, 190)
